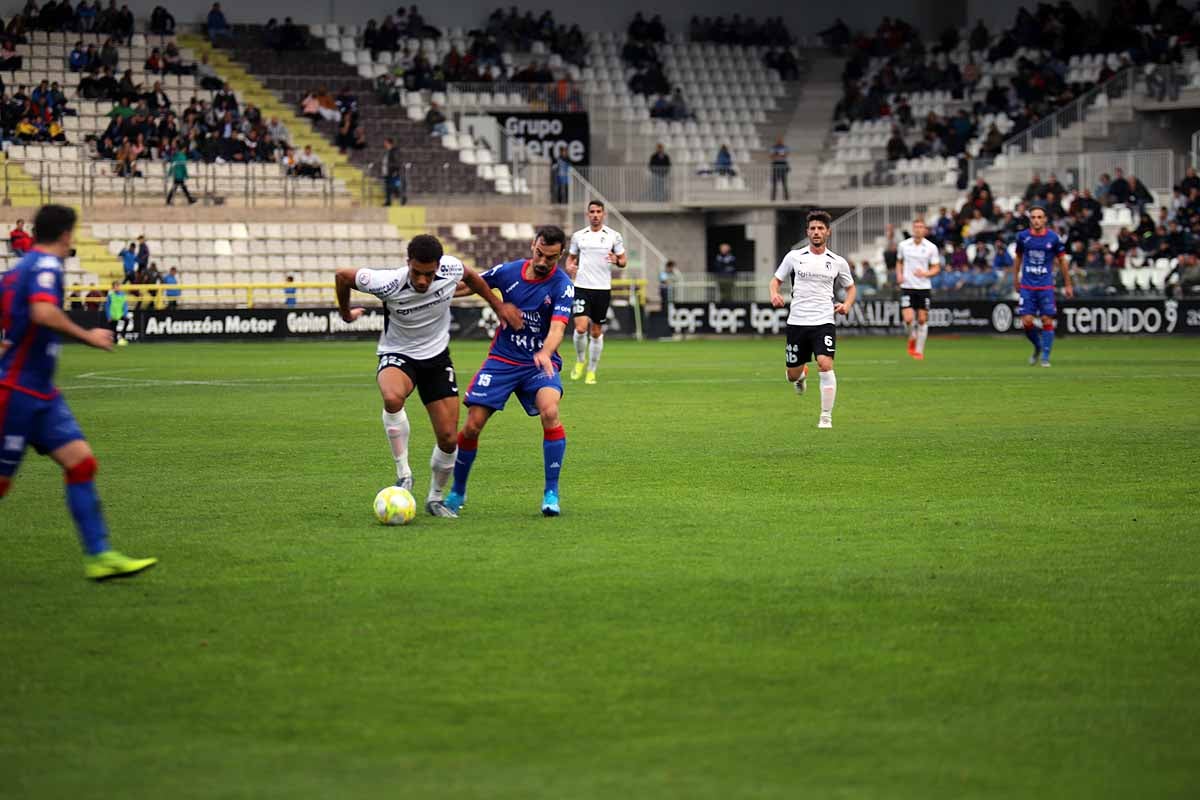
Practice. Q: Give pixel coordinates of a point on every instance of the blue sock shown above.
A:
(85, 508)
(1033, 335)
(467, 450)
(1047, 341)
(554, 450)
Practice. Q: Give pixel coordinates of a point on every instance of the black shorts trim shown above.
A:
(915, 298)
(433, 378)
(806, 341)
(592, 303)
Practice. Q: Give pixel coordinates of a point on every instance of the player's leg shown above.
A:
(468, 446)
(1047, 334)
(824, 345)
(1026, 311)
(79, 466)
(581, 310)
(796, 359)
(906, 312)
(443, 414)
(15, 421)
(922, 331)
(554, 447)
(395, 385)
(598, 311)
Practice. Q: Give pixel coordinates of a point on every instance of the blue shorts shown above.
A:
(1038, 302)
(496, 380)
(27, 420)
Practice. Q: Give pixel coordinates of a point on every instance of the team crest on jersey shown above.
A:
(547, 301)
(46, 280)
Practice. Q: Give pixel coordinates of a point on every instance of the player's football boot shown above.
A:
(1045, 363)
(577, 371)
(454, 501)
(111, 564)
(590, 380)
(405, 483)
(918, 356)
(550, 505)
(826, 421)
(438, 508)
(1033, 359)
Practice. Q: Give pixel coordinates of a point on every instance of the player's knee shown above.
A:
(393, 402)
(447, 440)
(549, 417)
(1047, 324)
(83, 472)
(1027, 323)
(597, 330)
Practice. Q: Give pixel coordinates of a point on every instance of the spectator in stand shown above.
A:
(155, 62)
(867, 281)
(207, 75)
(666, 285)
(725, 267)
(724, 162)
(308, 164)
(1139, 195)
(560, 176)
(394, 183)
(19, 239)
(10, 59)
(1103, 187)
(1119, 190)
(128, 256)
(779, 168)
(435, 121)
(1190, 181)
(172, 279)
(278, 132)
(77, 60)
(216, 25)
(85, 16)
(660, 174)
(179, 175)
(162, 23)
(890, 243)
(896, 149)
(289, 292)
(143, 253)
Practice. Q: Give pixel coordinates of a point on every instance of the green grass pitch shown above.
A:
(984, 582)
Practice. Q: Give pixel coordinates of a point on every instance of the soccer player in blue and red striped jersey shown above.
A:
(32, 412)
(524, 362)
(1038, 249)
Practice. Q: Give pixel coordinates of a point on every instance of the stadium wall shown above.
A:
(803, 18)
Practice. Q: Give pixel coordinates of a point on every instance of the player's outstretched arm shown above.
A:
(508, 313)
(542, 357)
(1017, 271)
(899, 272)
(48, 315)
(343, 282)
(777, 299)
(844, 306)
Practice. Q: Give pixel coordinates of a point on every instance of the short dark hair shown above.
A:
(425, 249)
(52, 223)
(552, 234)
(595, 203)
(820, 216)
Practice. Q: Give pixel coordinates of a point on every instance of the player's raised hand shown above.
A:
(510, 315)
(100, 338)
(542, 359)
(778, 301)
(354, 314)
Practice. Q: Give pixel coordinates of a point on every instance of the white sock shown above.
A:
(594, 354)
(581, 343)
(828, 392)
(922, 332)
(442, 465)
(396, 426)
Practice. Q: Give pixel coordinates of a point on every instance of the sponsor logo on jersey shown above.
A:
(46, 280)
(14, 443)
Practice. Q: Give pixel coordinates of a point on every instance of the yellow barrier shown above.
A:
(156, 292)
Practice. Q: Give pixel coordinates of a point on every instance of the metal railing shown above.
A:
(528, 184)
(501, 95)
(96, 182)
(1044, 135)
(1158, 169)
(644, 260)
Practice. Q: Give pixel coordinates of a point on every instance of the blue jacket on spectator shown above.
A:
(77, 60)
(1002, 260)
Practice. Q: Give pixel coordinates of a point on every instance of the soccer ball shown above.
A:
(395, 506)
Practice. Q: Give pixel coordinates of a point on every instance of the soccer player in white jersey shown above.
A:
(414, 350)
(917, 261)
(815, 271)
(590, 259)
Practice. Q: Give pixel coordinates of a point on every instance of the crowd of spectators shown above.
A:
(1049, 36)
(976, 241)
(340, 109)
(87, 17)
(771, 32)
(34, 116)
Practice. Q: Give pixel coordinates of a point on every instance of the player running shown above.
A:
(917, 261)
(32, 412)
(1033, 273)
(815, 271)
(590, 259)
(524, 362)
(414, 350)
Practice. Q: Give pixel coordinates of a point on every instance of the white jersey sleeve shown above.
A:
(573, 248)
(618, 247)
(386, 284)
(845, 278)
(785, 268)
